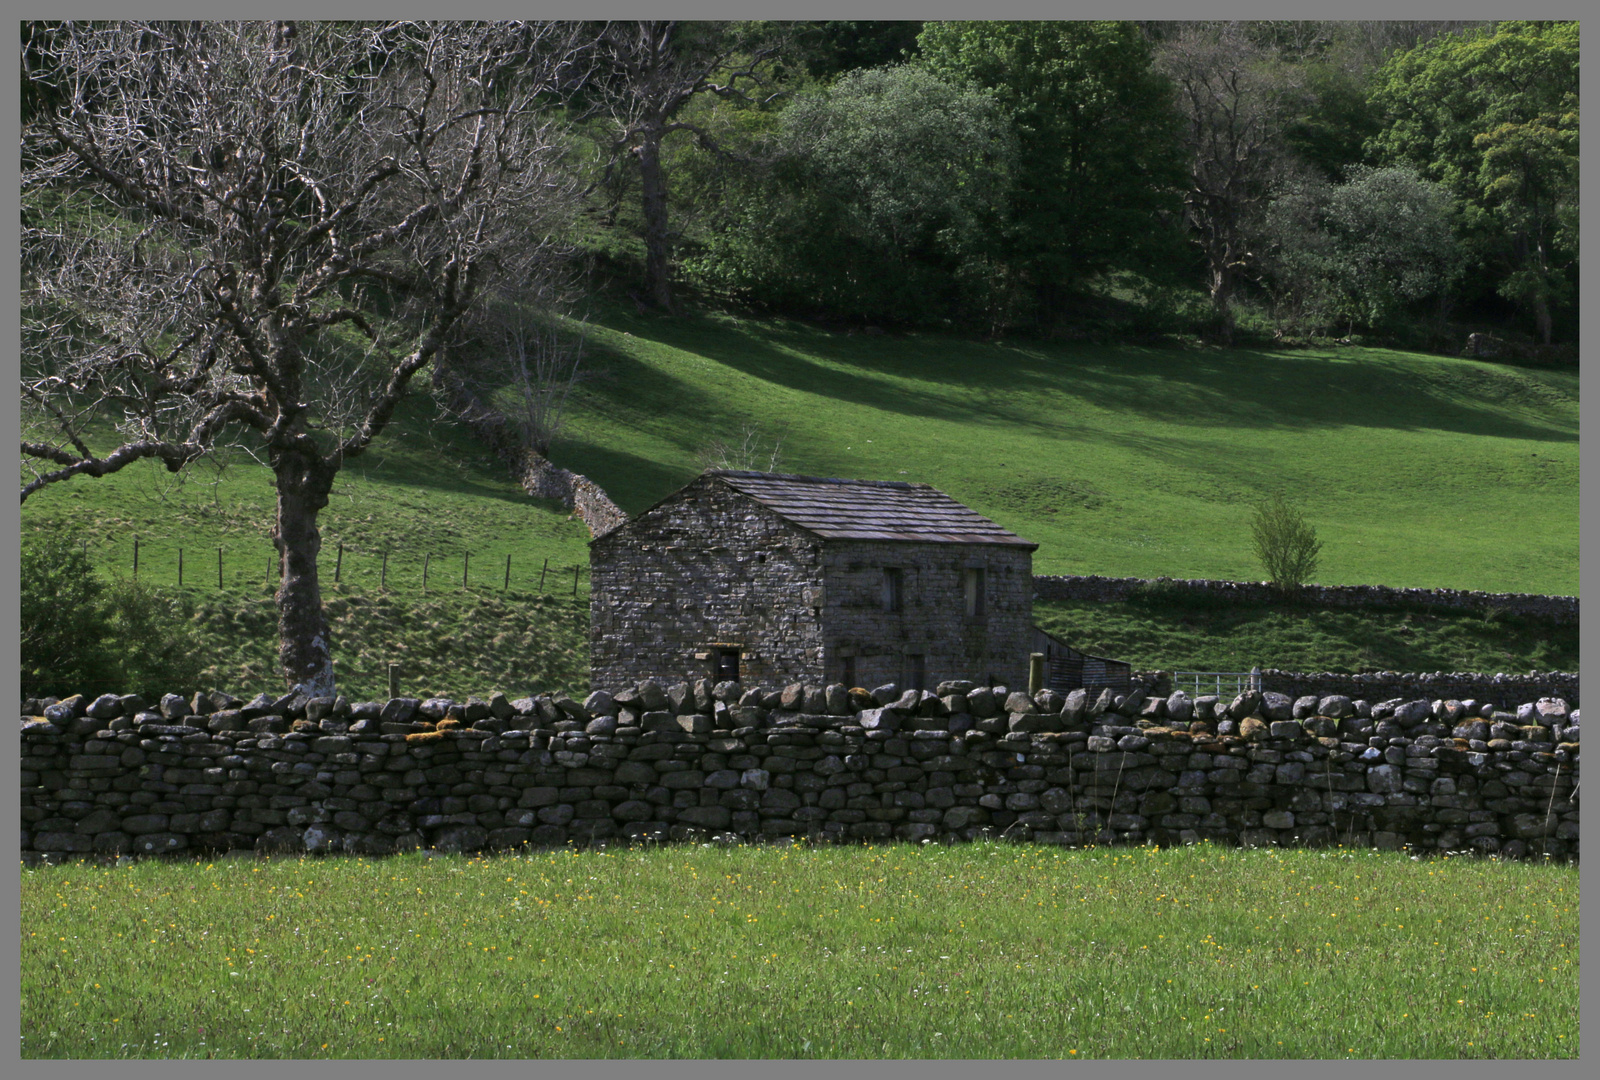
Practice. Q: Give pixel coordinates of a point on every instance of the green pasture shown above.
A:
(1416, 470)
(980, 950)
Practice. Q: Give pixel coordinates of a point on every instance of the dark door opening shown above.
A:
(727, 665)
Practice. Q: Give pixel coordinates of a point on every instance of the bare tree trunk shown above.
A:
(304, 651)
(653, 187)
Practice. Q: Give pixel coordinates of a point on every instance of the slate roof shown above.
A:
(869, 509)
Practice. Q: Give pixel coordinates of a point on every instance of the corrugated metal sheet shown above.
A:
(1067, 668)
(870, 509)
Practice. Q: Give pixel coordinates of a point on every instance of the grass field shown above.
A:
(1416, 470)
(981, 950)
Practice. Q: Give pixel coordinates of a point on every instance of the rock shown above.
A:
(815, 701)
(794, 696)
(1134, 701)
(603, 724)
(729, 691)
(601, 703)
(1179, 707)
(105, 707)
(836, 699)
(1412, 713)
(651, 696)
(1253, 728)
(1385, 780)
(1049, 701)
(878, 720)
(1154, 708)
(680, 698)
(1551, 711)
(460, 838)
(1276, 706)
(1304, 707)
(200, 704)
(435, 709)
(1337, 706)
(500, 706)
(172, 707)
(955, 686)
(1205, 707)
(1074, 705)
(885, 694)
(932, 705)
(755, 779)
(981, 703)
(1018, 702)
(399, 711)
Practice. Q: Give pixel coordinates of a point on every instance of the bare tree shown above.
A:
(1233, 97)
(655, 69)
(257, 233)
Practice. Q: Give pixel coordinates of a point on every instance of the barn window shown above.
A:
(893, 589)
(727, 664)
(973, 590)
(916, 671)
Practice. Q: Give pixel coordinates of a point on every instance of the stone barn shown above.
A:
(774, 579)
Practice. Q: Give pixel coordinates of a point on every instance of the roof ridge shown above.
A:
(752, 474)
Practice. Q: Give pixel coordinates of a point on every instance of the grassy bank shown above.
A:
(1158, 634)
(1011, 951)
(1416, 470)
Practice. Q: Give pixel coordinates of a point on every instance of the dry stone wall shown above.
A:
(1558, 609)
(113, 777)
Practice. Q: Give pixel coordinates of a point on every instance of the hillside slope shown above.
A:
(1416, 470)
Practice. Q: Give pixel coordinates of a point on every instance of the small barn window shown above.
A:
(973, 590)
(727, 664)
(893, 589)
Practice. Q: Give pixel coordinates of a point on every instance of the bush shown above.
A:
(1285, 543)
(82, 634)
(63, 622)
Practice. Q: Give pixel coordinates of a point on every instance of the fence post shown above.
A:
(542, 573)
(466, 560)
(394, 680)
(135, 556)
(180, 566)
(507, 585)
(338, 564)
(1035, 673)
(219, 568)
(425, 559)
(1255, 678)
(383, 575)
(574, 579)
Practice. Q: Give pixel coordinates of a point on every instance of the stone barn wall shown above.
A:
(713, 567)
(933, 622)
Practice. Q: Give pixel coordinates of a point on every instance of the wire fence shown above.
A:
(248, 568)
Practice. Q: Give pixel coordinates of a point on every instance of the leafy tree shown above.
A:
(289, 223)
(1285, 543)
(1493, 114)
(1361, 250)
(876, 201)
(834, 47)
(1097, 164)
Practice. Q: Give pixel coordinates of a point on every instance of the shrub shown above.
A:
(1285, 543)
(63, 621)
(82, 634)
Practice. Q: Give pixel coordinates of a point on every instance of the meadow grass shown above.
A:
(1415, 470)
(898, 951)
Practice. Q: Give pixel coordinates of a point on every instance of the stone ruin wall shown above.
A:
(113, 778)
